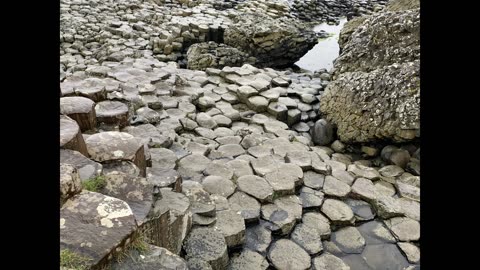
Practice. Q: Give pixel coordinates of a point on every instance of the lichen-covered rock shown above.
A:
(274, 42)
(201, 56)
(69, 182)
(153, 259)
(208, 245)
(379, 105)
(375, 94)
(96, 227)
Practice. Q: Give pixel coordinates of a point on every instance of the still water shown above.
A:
(327, 49)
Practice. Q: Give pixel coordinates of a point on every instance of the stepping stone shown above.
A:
(70, 183)
(384, 256)
(387, 207)
(311, 198)
(327, 261)
(150, 259)
(95, 226)
(404, 229)
(80, 109)
(146, 115)
(219, 168)
(385, 188)
(318, 223)
(334, 187)
(282, 183)
(239, 168)
(218, 185)
(168, 102)
(149, 135)
(363, 171)
(244, 92)
(248, 259)
(121, 166)
(196, 148)
(286, 255)
(258, 238)
(86, 167)
(208, 245)
(232, 226)
(200, 201)
(205, 132)
(313, 180)
(282, 221)
(408, 191)
(137, 192)
(257, 103)
(299, 158)
(307, 238)
(229, 140)
(162, 178)
(364, 189)
(152, 102)
(71, 137)
(112, 113)
(344, 176)
(163, 158)
(376, 233)
(247, 206)
(410, 208)
(273, 126)
(291, 204)
(293, 116)
(195, 162)
(206, 121)
(260, 151)
(301, 127)
(391, 171)
(222, 121)
(178, 223)
(92, 90)
(361, 209)
(349, 240)
(336, 165)
(231, 150)
(411, 251)
(338, 212)
(255, 186)
(264, 165)
(278, 110)
(198, 264)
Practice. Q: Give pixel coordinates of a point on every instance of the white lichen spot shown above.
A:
(103, 232)
(62, 223)
(118, 153)
(106, 222)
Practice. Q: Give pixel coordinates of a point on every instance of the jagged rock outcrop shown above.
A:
(201, 56)
(274, 42)
(375, 94)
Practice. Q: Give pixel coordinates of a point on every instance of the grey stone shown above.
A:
(364, 189)
(322, 132)
(313, 180)
(328, 261)
(247, 206)
(163, 158)
(206, 121)
(255, 186)
(335, 187)
(408, 191)
(337, 211)
(232, 226)
(311, 198)
(70, 183)
(208, 245)
(344, 176)
(300, 158)
(285, 254)
(363, 171)
(218, 185)
(318, 223)
(248, 259)
(410, 208)
(195, 162)
(86, 167)
(108, 223)
(151, 259)
(411, 251)
(404, 229)
(258, 238)
(307, 238)
(361, 209)
(349, 240)
(283, 221)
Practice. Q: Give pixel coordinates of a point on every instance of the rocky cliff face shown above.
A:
(375, 94)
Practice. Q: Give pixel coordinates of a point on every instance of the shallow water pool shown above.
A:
(326, 51)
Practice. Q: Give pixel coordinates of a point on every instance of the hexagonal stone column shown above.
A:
(115, 146)
(70, 135)
(81, 110)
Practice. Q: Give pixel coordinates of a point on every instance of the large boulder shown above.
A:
(277, 42)
(375, 94)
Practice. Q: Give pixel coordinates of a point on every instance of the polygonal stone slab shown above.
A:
(151, 260)
(286, 255)
(337, 211)
(95, 226)
(255, 186)
(86, 167)
(248, 259)
(81, 110)
(113, 145)
(112, 113)
(232, 226)
(70, 136)
(208, 245)
(247, 206)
